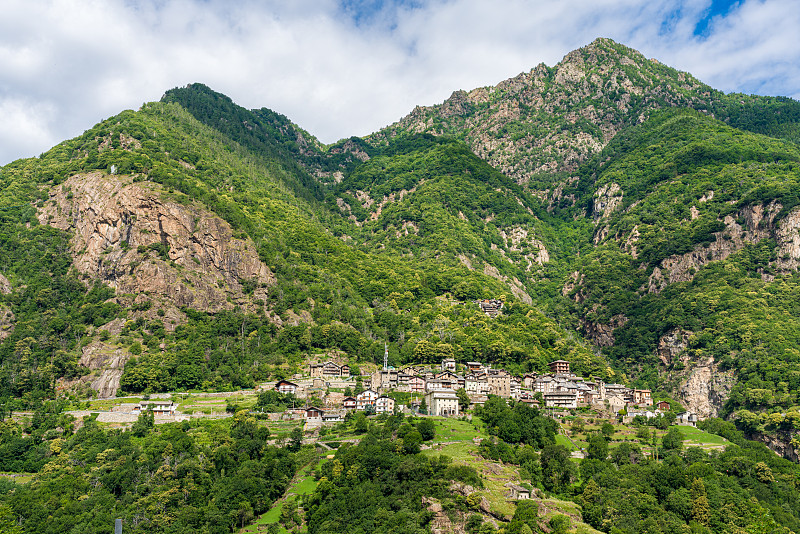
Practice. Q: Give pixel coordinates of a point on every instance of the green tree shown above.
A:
(598, 447)
(361, 425)
(411, 442)
(557, 470)
(673, 439)
(296, 439)
(764, 473)
(577, 426)
(607, 430)
(559, 524)
(144, 423)
(701, 510)
(7, 523)
(474, 522)
(426, 428)
(463, 399)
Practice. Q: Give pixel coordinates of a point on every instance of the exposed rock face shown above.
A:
(136, 239)
(780, 443)
(106, 364)
(516, 287)
(706, 389)
(788, 239)
(575, 281)
(602, 335)
(521, 237)
(5, 285)
(6, 321)
(518, 125)
(607, 200)
(441, 523)
(671, 345)
(758, 223)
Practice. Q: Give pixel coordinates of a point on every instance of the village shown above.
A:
(328, 391)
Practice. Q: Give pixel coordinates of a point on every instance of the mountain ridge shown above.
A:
(369, 233)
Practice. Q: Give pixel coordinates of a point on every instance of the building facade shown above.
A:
(442, 402)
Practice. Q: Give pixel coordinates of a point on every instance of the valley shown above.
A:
(191, 292)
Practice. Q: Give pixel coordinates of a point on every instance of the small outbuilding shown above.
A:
(518, 492)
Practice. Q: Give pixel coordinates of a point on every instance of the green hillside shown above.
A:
(699, 242)
(347, 297)
(631, 219)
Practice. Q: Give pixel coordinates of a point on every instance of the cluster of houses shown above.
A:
(439, 402)
(560, 388)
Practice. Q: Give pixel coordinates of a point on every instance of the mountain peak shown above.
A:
(551, 119)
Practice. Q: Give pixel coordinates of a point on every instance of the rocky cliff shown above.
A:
(105, 364)
(705, 389)
(754, 223)
(6, 321)
(140, 239)
(550, 120)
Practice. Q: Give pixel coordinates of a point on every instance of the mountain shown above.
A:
(648, 180)
(635, 221)
(698, 223)
(540, 126)
(171, 255)
(630, 219)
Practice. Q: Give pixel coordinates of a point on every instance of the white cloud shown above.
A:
(31, 130)
(66, 64)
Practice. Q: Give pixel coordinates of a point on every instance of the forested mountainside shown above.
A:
(540, 126)
(635, 222)
(632, 220)
(194, 264)
(698, 223)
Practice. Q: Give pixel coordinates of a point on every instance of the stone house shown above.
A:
(442, 402)
(329, 369)
(518, 492)
(500, 382)
(529, 380)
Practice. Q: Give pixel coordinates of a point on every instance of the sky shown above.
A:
(339, 68)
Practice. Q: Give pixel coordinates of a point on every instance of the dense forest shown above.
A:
(746, 488)
(207, 477)
(634, 222)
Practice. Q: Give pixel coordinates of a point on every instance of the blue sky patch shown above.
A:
(364, 12)
(718, 8)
